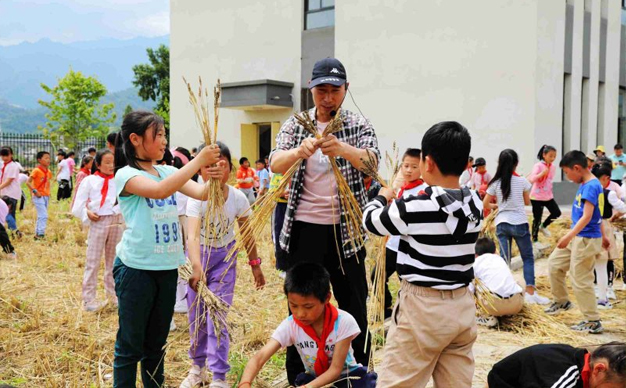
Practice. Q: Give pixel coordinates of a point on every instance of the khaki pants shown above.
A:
(431, 334)
(579, 258)
(499, 307)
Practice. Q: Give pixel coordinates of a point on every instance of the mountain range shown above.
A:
(25, 66)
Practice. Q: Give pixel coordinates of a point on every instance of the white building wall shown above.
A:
(610, 92)
(412, 64)
(589, 122)
(573, 105)
(234, 41)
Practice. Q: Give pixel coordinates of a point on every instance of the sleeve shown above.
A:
(505, 373)
(533, 174)
(35, 174)
(385, 220)
(194, 207)
(368, 139)
(285, 140)
(123, 176)
(348, 328)
(527, 185)
(79, 208)
(283, 334)
(591, 193)
(617, 203)
(491, 189)
(14, 172)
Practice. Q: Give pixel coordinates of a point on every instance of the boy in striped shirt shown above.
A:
(433, 326)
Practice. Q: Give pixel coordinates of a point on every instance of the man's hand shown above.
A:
(564, 241)
(387, 193)
(307, 148)
(331, 146)
(93, 216)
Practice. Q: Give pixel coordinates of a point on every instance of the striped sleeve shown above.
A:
(385, 220)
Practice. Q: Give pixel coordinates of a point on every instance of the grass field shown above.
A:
(47, 340)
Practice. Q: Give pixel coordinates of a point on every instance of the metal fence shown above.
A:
(26, 146)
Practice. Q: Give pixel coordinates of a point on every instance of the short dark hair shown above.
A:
(615, 353)
(62, 153)
(224, 151)
(71, 153)
(92, 149)
(600, 170)
(574, 158)
(261, 161)
(41, 154)
(308, 279)
(242, 160)
(448, 144)
(484, 245)
(618, 146)
(111, 137)
(412, 152)
(6, 151)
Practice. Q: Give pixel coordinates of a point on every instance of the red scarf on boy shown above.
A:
(330, 317)
(105, 186)
(45, 175)
(409, 186)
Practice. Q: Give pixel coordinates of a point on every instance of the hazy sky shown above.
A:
(79, 20)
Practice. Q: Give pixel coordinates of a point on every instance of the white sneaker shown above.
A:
(545, 231)
(219, 384)
(181, 307)
(597, 292)
(610, 293)
(604, 305)
(94, 307)
(197, 376)
(489, 321)
(535, 299)
(172, 325)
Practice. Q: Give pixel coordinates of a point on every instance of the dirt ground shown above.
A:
(47, 340)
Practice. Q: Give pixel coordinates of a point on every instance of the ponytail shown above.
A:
(544, 150)
(507, 161)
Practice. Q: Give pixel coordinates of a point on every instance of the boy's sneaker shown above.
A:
(535, 299)
(489, 321)
(604, 305)
(181, 307)
(197, 377)
(557, 307)
(219, 384)
(591, 327)
(545, 231)
(94, 307)
(610, 293)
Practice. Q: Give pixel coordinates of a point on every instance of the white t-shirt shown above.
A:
(23, 178)
(394, 241)
(13, 190)
(64, 170)
(495, 274)
(511, 211)
(289, 333)
(466, 177)
(236, 206)
(181, 203)
(89, 196)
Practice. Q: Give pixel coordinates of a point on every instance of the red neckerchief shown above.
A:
(86, 171)
(368, 185)
(515, 173)
(330, 316)
(548, 166)
(409, 186)
(3, 167)
(45, 174)
(586, 372)
(105, 186)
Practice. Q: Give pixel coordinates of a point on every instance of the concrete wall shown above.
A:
(235, 41)
(432, 61)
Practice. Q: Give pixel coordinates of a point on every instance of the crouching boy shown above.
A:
(321, 333)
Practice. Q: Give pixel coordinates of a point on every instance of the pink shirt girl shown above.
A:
(542, 187)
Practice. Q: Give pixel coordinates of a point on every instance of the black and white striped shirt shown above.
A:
(438, 232)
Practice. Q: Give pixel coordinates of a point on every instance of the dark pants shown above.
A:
(278, 219)
(5, 242)
(538, 206)
(65, 190)
(365, 380)
(146, 306)
(316, 243)
(22, 201)
(391, 258)
(618, 181)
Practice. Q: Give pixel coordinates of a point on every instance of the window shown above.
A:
(319, 14)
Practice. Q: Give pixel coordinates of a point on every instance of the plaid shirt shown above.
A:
(357, 132)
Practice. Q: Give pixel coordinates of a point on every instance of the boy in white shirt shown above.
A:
(63, 177)
(314, 321)
(493, 272)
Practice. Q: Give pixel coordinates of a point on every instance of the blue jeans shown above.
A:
(506, 233)
(41, 206)
(12, 204)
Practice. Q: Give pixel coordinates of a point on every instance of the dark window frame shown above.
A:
(321, 9)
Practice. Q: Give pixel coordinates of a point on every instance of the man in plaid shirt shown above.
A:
(315, 223)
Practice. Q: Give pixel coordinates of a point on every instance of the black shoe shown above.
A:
(557, 307)
(591, 327)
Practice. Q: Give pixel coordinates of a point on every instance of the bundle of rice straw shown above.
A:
(489, 228)
(619, 224)
(214, 215)
(483, 298)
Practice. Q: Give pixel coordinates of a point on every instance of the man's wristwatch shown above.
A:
(255, 262)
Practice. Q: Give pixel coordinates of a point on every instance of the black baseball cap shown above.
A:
(328, 71)
(479, 162)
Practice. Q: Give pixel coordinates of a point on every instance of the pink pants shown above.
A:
(103, 236)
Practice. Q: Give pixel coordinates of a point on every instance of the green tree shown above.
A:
(74, 111)
(128, 110)
(153, 80)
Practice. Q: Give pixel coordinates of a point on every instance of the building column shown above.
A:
(573, 86)
(589, 121)
(607, 121)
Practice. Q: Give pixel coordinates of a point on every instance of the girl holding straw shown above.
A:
(512, 194)
(95, 203)
(151, 249)
(210, 250)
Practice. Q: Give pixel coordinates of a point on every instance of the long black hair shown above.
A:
(544, 150)
(507, 161)
(137, 122)
(97, 160)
